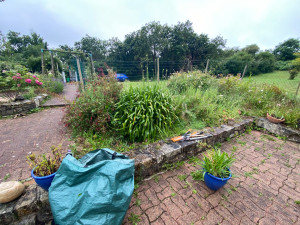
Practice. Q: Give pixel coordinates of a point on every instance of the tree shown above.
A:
(92, 45)
(286, 50)
(265, 62)
(251, 49)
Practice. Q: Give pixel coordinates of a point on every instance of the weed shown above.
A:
(287, 165)
(218, 145)
(297, 202)
(171, 166)
(228, 139)
(284, 138)
(264, 136)
(242, 143)
(194, 191)
(248, 130)
(199, 204)
(6, 176)
(260, 194)
(203, 218)
(134, 219)
(138, 202)
(257, 149)
(233, 188)
(182, 177)
(194, 161)
(197, 175)
(225, 198)
(269, 155)
(229, 191)
(234, 149)
(156, 178)
(262, 161)
(248, 174)
(255, 170)
(173, 194)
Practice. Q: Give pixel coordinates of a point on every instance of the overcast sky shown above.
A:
(240, 22)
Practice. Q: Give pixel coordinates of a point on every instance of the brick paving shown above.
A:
(264, 190)
(33, 133)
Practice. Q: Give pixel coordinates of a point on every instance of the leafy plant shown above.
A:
(144, 113)
(43, 165)
(217, 163)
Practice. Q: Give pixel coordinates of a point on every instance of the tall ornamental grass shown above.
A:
(144, 113)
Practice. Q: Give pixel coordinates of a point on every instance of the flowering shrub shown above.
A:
(16, 81)
(93, 108)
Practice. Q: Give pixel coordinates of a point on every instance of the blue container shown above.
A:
(43, 182)
(214, 183)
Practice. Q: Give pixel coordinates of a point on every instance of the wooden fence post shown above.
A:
(92, 64)
(52, 63)
(157, 69)
(206, 68)
(42, 56)
(244, 71)
(79, 71)
(298, 89)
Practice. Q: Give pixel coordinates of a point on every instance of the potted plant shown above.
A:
(216, 168)
(44, 168)
(274, 117)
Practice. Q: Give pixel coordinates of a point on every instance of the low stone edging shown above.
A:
(279, 130)
(11, 108)
(33, 206)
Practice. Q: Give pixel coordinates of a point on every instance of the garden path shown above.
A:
(264, 190)
(33, 133)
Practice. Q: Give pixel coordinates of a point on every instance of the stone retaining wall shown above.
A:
(33, 206)
(12, 108)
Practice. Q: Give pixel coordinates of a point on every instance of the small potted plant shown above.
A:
(44, 168)
(216, 168)
(274, 117)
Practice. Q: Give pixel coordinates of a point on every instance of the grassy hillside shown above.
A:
(278, 78)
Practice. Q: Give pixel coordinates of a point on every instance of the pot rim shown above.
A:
(219, 178)
(43, 177)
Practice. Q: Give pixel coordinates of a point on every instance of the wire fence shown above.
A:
(162, 70)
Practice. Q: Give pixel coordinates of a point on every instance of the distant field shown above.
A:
(278, 78)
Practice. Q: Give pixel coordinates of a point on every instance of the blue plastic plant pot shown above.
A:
(215, 183)
(43, 182)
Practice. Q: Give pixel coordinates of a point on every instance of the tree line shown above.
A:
(178, 47)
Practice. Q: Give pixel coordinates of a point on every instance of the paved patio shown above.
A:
(34, 133)
(264, 191)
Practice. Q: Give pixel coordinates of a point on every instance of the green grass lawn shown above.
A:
(278, 78)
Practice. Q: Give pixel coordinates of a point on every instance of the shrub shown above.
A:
(12, 82)
(181, 82)
(144, 113)
(93, 109)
